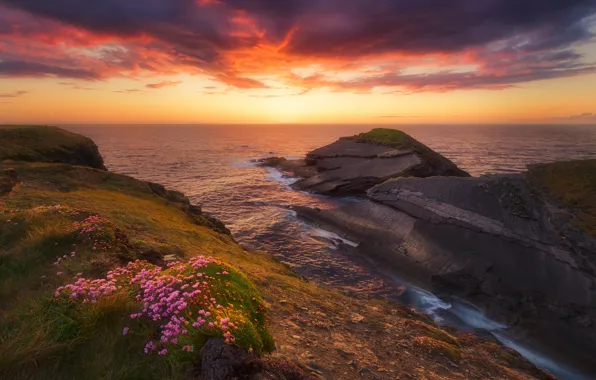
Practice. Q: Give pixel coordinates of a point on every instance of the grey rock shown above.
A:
(6, 185)
(8, 180)
(351, 166)
(494, 241)
(11, 173)
(220, 361)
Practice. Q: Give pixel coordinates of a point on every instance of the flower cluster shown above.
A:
(97, 231)
(59, 260)
(184, 300)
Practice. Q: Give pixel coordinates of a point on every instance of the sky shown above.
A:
(297, 61)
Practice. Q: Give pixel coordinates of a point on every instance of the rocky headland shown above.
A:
(352, 165)
(521, 248)
(105, 276)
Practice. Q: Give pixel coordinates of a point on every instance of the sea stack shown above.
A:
(352, 165)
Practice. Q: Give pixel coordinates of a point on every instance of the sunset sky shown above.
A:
(298, 61)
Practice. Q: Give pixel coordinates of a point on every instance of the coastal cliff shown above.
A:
(519, 247)
(48, 144)
(106, 276)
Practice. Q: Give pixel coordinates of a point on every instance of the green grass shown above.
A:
(41, 337)
(47, 144)
(392, 137)
(573, 183)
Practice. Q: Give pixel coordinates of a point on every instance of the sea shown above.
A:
(213, 165)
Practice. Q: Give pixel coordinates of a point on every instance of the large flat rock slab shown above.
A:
(346, 147)
(356, 175)
(494, 241)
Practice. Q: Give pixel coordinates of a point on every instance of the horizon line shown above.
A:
(284, 123)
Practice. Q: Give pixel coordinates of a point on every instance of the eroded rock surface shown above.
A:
(352, 165)
(221, 361)
(492, 240)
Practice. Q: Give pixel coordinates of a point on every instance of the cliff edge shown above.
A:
(48, 144)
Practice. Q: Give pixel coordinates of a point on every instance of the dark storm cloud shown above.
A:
(346, 27)
(365, 27)
(37, 69)
(513, 41)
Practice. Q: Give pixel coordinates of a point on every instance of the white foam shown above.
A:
(472, 316)
(333, 237)
(244, 164)
(430, 304)
(541, 361)
(277, 176)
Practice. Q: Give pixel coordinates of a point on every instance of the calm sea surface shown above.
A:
(211, 164)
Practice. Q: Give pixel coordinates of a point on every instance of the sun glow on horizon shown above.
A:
(220, 62)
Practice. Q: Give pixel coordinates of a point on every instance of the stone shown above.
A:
(11, 173)
(6, 185)
(352, 165)
(493, 241)
(220, 361)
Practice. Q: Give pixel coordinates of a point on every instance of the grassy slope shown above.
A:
(574, 184)
(47, 144)
(62, 338)
(331, 333)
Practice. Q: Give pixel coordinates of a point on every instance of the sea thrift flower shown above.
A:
(173, 299)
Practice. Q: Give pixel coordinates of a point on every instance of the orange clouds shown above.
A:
(349, 45)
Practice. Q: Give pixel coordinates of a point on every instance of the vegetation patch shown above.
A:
(573, 183)
(439, 347)
(47, 144)
(433, 332)
(181, 306)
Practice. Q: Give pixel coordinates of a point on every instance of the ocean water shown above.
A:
(212, 165)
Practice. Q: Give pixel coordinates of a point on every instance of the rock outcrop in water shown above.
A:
(501, 242)
(352, 165)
